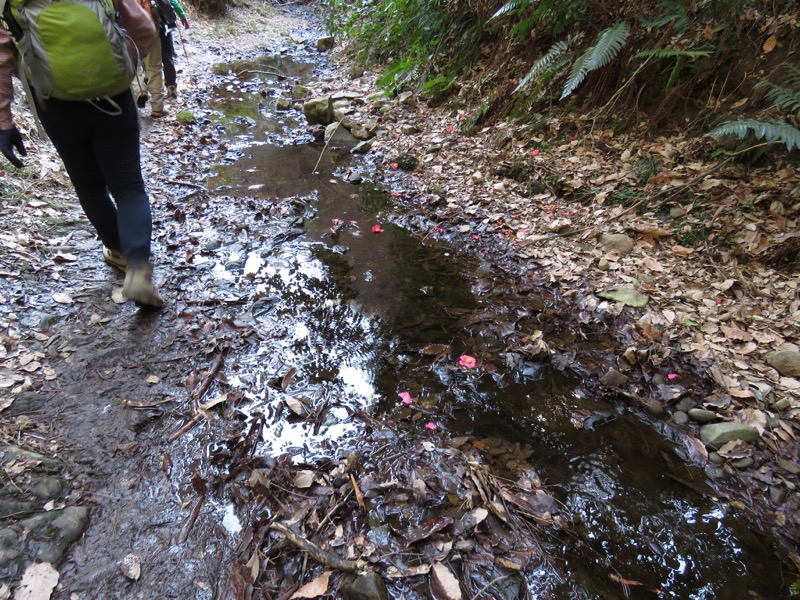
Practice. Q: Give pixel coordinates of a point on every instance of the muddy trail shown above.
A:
(331, 397)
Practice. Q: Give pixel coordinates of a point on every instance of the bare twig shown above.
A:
(218, 362)
(318, 554)
(187, 529)
(314, 170)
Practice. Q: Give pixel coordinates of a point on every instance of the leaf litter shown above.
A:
(710, 314)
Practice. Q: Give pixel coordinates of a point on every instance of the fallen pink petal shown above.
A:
(467, 361)
(672, 376)
(377, 229)
(406, 397)
(430, 426)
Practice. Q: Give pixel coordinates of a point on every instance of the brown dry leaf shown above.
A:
(733, 333)
(297, 406)
(698, 453)
(735, 450)
(444, 585)
(737, 393)
(682, 251)
(769, 44)
(314, 589)
(304, 479)
(653, 265)
(153, 379)
(254, 564)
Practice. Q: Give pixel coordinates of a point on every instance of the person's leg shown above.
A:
(68, 126)
(168, 59)
(115, 145)
(155, 78)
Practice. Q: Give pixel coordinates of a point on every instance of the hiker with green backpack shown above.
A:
(76, 59)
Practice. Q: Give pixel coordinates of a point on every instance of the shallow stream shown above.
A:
(352, 311)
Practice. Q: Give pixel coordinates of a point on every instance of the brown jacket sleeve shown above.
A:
(139, 26)
(8, 61)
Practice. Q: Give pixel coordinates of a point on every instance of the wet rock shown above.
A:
(785, 361)
(362, 148)
(614, 378)
(42, 538)
(744, 463)
(283, 103)
(407, 99)
(355, 71)
(701, 415)
(617, 242)
(300, 92)
(603, 264)
(325, 43)
(336, 134)
(680, 418)
(365, 587)
(628, 296)
(653, 406)
(45, 487)
(718, 434)
(360, 133)
(408, 129)
(318, 111)
(715, 458)
(782, 404)
(685, 404)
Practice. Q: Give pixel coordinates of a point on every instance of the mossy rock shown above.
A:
(187, 117)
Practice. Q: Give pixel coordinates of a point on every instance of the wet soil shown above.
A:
(267, 394)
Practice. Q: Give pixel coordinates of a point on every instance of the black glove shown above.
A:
(10, 139)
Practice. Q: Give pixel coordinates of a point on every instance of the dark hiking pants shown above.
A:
(101, 155)
(168, 57)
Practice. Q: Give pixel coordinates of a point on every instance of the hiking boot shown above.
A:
(139, 286)
(157, 114)
(172, 91)
(141, 100)
(114, 258)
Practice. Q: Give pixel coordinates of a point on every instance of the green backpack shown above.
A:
(70, 49)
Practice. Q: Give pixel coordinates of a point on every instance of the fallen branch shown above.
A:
(187, 529)
(318, 554)
(218, 362)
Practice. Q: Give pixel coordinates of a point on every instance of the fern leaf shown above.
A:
(785, 98)
(608, 45)
(541, 65)
(509, 7)
(774, 131)
(673, 53)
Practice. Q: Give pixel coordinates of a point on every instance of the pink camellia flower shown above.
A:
(430, 425)
(672, 376)
(377, 229)
(405, 397)
(337, 221)
(476, 237)
(467, 361)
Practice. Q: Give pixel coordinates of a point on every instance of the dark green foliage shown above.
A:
(785, 98)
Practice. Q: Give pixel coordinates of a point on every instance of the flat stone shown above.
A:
(318, 111)
(786, 362)
(654, 407)
(362, 148)
(613, 378)
(718, 434)
(336, 134)
(325, 43)
(628, 296)
(617, 242)
(365, 587)
(702, 415)
(680, 418)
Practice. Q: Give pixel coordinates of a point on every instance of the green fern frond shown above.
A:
(546, 62)
(509, 7)
(673, 53)
(774, 131)
(608, 45)
(788, 96)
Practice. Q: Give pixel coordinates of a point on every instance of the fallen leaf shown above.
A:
(304, 479)
(313, 589)
(444, 585)
(152, 379)
(132, 567)
(63, 298)
(38, 582)
(769, 44)
(735, 449)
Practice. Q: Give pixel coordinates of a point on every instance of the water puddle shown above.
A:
(341, 319)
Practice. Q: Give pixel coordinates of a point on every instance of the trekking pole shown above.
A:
(183, 43)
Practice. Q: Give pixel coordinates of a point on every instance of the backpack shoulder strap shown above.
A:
(11, 23)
